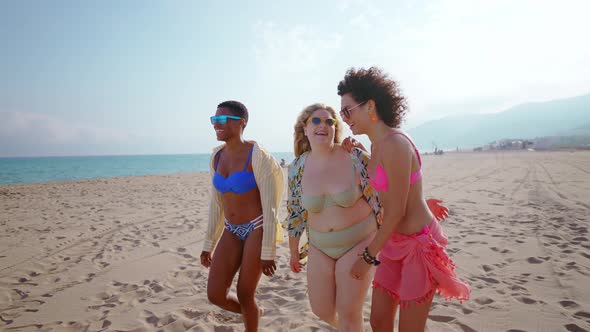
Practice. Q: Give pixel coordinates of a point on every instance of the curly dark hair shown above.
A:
(237, 108)
(373, 84)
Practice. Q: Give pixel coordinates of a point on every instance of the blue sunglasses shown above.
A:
(222, 119)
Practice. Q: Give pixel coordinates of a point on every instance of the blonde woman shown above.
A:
(330, 198)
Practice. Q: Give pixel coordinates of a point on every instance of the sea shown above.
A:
(59, 169)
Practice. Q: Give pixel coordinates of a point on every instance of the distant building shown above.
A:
(539, 143)
(506, 144)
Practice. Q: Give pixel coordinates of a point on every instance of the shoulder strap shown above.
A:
(409, 140)
(217, 156)
(352, 168)
(249, 157)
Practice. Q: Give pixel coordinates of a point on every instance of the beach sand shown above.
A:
(123, 254)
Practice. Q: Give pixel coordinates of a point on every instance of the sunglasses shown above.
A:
(317, 120)
(222, 119)
(345, 112)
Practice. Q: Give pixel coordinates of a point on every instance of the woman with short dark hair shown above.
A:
(243, 216)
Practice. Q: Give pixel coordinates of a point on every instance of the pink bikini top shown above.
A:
(379, 180)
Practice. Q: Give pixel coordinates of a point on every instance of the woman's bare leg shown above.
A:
(413, 318)
(226, 261)
(250, 272)
(321, 284)
(383, 308)
(351, 293)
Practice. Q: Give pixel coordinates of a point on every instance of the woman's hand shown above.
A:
(295, 264)
(205, 258)
(268, 267)
(350, 143)
(439, 211)
(359, 269)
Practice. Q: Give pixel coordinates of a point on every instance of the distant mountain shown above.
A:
(563, 117)
(579, 131)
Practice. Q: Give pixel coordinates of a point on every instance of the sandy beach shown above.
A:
(123, 254)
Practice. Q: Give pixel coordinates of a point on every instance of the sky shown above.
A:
(143, 77)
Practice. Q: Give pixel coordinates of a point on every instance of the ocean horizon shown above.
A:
(25, 170)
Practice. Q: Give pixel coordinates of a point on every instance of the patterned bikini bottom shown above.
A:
(243, 230)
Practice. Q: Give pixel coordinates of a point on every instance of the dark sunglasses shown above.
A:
(345, 112)
(317, 120)
(222, 119)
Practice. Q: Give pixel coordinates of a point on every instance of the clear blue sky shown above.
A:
(139, 77)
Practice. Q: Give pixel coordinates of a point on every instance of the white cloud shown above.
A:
(450, 56)
(461, 51)
(38, 128)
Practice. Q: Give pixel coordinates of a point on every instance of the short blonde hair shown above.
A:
(301, 142)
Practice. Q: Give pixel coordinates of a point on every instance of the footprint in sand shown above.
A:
(106, 323)
(568, 304)
(442, 319)
(484, 300)
(526, 300)
(466, 328)
(574, 328)
(534, 260)
(156, 287)
(582, 314)
(489, 280)
(152, 320)
(22, 294)
(193, 314)
(555, 237)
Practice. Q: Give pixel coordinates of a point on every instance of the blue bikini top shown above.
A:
(238, 182)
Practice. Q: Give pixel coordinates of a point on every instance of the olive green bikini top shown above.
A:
(347, 198)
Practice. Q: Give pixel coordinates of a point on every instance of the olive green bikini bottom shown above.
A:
(336, 244)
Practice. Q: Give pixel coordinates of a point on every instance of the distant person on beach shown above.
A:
(332, 200)
(409, 248)
(247, 187)
(283, 163)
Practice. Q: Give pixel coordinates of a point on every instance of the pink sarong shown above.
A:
(414, 266)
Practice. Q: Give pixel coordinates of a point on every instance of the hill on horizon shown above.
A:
(561, 117)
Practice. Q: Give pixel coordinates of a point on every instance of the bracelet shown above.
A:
(368, 258)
